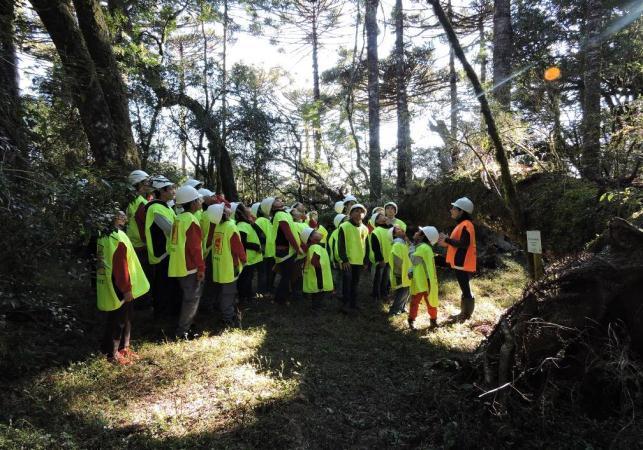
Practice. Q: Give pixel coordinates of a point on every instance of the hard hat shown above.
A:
(339, 207)
(215, 212)
(233, 207)
(431, 234)
(193, 183)
(378, 209)
(255, 208)
(374, 216)
(391, 204)
(186, 194)
(159, 182)
(338, 219)
(203, 192)
(358, 205)
(137, 176)
(305, 234)
(464, 204)
(266, 205)
(350, 198)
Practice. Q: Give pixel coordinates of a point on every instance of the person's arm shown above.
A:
(120, 272)
(284, 227)
(248, 245)
(238, 252)
(397, 269)
(260, 234)
(463, 242)
(316, 263)
(164, 224)
(341, 246)
(139, 218)
(194, 249)
(376, 248)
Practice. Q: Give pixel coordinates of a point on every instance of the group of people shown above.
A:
(177, 245)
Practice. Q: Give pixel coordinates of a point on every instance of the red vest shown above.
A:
(470, 257)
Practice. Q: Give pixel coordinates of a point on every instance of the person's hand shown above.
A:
(346, 266)
(128, 297)
(200, 276)
(300, 251)
(381, 263)
(410, 274)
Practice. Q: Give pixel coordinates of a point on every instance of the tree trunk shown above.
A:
(404, 163)
(511, 196)
(57, 17)
(502, 51)
(450, 160)
(222, 171)
(316, 94)
(183, 129)
(591, 125)
(373, 101)
(99, 43)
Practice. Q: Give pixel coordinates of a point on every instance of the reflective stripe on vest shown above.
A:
(381, 234)
(423, 269)
(106, 298)
(310, 273)
(176, 245)
(266, 227)
(355, 241)
(471, 255)
(132, 227)
(253, 256)
(164, 211)
(223, 269)
(400, 251)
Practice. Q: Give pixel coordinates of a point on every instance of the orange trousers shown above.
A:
(415, 304)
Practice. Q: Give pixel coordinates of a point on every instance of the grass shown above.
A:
(287, 380)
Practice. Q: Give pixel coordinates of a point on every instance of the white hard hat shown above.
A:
(159, 182)
(193, 183)
(266, 205)
(339, 207)
(350, 198)
(374, 217)
(338, 219)
(391, 204)
(233, 207)
(255, 208)
(305, 234)
(431, 234)
(203, 192)
(137, 176)
(464, 204)
(186, 194)
(358, 205)
(215, 212)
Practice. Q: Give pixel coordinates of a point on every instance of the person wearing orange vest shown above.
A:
(461, 252)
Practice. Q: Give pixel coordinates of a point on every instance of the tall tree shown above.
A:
(374, 157)
(502, 52)
(404, 162)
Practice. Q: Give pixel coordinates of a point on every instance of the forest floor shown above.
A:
(288, 379)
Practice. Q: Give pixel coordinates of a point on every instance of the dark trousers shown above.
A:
(400, 298)
(226, 297)
(285, 271)
(266, 278)
(165, 291)
(145, 300)
(244, 283)
(316, 300)
(463, 281)
(380, 281)
(207, 294)
(191, 289)
(350, 281)
(118, 327)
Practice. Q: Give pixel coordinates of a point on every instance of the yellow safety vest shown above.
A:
(324, 233)
(381, 234)
(401, 251)
(106, 298)
(168, 213)
(355, 241)
(422, 270)
(176, 245)
(310, 274)
(223, 269)
(132, 227)
(332, 246)
(205, 225)
(298, 227)
(253, 256)
(266, 227)
(398, 223)
(281, 216)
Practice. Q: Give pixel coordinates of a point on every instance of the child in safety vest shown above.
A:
(378, 253)
(185, 249)
(461, 252)
(333, 254)
(351, 248)
(119, 280)
(139, 181)
(390, 209)
(318, 278)
(399, 265)
(313, 222)
(371, 221)
(159, 217)
(424, 280)
(207, 292)
(254, 241)
(298, 214)
(228, 258)
(266, 275)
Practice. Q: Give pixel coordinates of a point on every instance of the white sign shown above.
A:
(533, 242)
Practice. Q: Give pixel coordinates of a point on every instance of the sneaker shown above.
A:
(433, 325)
(129, 354)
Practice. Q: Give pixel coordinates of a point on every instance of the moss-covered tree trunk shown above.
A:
(502, 52)
(404, 161)
(374, 157)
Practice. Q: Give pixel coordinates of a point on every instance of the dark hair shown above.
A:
(241, 214)
(465, 215)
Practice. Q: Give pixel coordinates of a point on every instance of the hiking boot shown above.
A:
(411, 323)
(433, 325)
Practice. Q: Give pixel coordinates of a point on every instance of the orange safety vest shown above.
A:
(470, 256)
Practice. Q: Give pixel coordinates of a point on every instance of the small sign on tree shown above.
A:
(535, 250)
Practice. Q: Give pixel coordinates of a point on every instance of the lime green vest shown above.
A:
(297, 228)
(205, 225)
(423, 264)
(106, 297)
(402, 252)
(332, 246)
(355, 240)
(310, 276)
(166, 212)
(381, 234)
(324, 233)
(400, 224)
(223, 269)
(281, 216)
(266, 227)
(132, 228)
(254, 257)
(176, 245)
